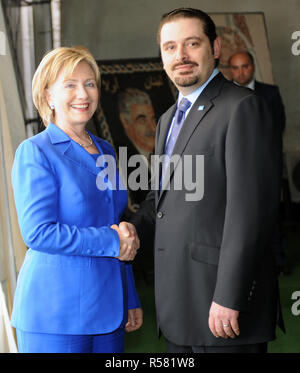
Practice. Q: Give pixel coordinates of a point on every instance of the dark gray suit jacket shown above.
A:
(273, 98)
(217, 248)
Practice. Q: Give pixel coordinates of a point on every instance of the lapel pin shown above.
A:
(201, 107)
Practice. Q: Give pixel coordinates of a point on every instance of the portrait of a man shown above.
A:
(137, 116)
(131, 103)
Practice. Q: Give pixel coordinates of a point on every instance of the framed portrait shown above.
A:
(134, 94)
(240, 32)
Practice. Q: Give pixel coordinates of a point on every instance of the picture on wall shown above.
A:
(240, 32)
(134, 94)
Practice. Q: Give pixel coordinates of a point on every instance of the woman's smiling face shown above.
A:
(74, 97)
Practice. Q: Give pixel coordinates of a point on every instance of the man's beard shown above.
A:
(186, 81)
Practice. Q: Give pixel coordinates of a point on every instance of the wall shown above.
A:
(114, 29)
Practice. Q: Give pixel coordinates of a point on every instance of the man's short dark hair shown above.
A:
(209, 26)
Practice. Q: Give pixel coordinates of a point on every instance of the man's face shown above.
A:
(242, 69)
(186, 53)
(141, 127)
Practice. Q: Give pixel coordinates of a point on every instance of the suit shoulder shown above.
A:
(236, 99)
(234, 92)
(265, 86)
(34, 150)
(39, 140)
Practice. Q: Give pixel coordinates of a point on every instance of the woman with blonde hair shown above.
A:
(75, 290)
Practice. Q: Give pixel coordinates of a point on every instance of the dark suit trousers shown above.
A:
(254, 348)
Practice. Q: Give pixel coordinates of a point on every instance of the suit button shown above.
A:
(159, 214)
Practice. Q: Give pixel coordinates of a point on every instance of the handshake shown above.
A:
(129, 241)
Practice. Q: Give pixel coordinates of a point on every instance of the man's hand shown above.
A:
(129, 241)
(223, 321)
(135, 319)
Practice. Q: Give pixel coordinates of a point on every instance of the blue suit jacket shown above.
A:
(70, 281)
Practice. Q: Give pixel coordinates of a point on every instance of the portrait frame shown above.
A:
(240, 31)
(143, 74)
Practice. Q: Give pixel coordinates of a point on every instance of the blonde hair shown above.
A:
(63, 58)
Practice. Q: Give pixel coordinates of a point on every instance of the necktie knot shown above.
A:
(184, 104)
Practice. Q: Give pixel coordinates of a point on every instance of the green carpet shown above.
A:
(146, 340)
(289, 342)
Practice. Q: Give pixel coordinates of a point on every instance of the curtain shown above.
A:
(7, 340)
(12, 243)
(12, 132)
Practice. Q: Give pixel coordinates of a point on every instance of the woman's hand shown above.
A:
(135, 319)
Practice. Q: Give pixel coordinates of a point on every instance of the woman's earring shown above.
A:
(51, 106)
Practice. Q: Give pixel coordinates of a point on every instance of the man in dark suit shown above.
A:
(215, 283)
(242, 67)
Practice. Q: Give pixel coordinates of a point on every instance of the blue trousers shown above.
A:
(60, 343)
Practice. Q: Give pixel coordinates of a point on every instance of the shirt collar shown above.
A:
(250, 85)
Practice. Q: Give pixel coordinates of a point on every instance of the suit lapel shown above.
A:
(74, 152)
(81, 158)
(165, 124)
(191, 122)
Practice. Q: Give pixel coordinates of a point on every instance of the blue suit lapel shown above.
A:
(73, 151)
